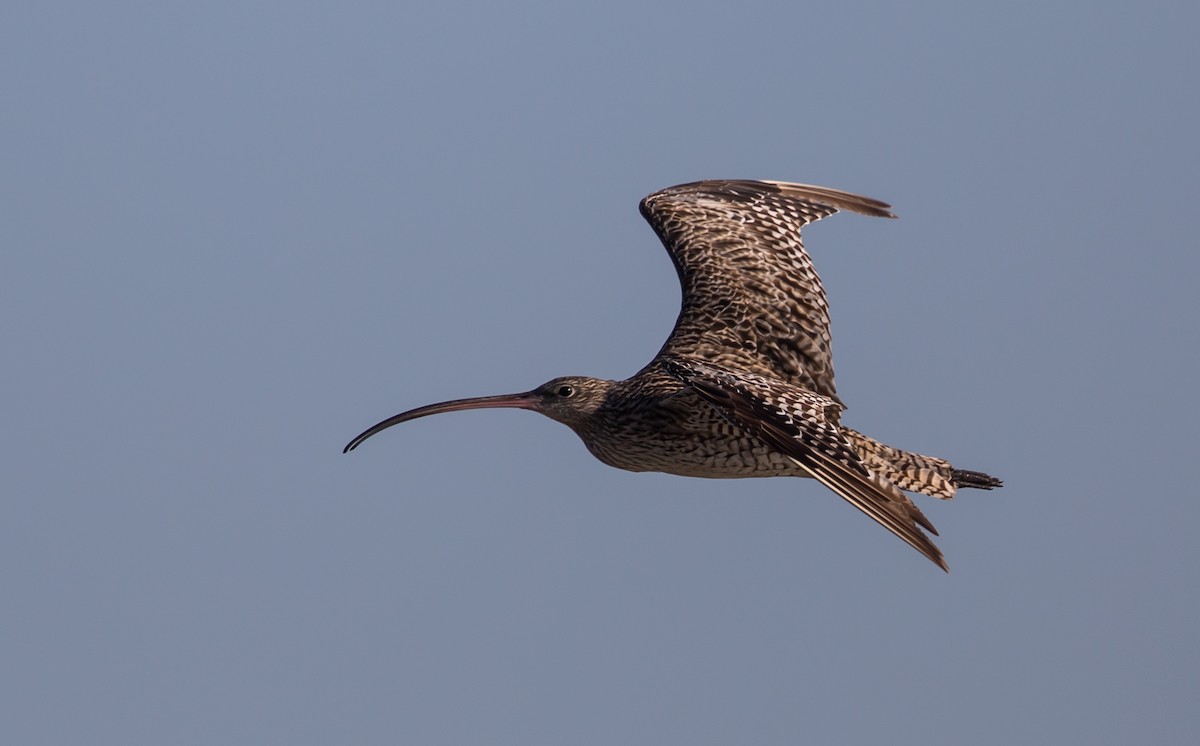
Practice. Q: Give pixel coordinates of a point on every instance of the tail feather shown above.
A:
(914, 472)
(976, 479)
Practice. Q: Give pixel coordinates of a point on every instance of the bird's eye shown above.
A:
(565, 391)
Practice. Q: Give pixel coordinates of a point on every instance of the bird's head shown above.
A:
(570, 400)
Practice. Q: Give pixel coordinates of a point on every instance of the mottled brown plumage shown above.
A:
(743, 387)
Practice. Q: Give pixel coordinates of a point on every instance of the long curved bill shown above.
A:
(524, 400)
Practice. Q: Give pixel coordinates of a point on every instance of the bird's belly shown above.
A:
(711, 458)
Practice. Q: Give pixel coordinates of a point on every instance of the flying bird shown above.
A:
(743, 387)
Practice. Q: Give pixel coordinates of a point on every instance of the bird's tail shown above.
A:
(976, 479)
(914, 472)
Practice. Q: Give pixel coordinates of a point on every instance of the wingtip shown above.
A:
(927, 547)
(838, 198)
(933, 553)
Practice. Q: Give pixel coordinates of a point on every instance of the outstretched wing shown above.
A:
(803, 426)
(751, 298)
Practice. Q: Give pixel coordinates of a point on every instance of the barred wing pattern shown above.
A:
(752, 300)
(803, 426)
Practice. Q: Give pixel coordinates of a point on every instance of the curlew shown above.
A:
(743, 387)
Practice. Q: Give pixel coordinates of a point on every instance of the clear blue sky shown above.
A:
(237, 234)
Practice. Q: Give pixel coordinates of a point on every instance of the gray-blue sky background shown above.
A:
(235, 235)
